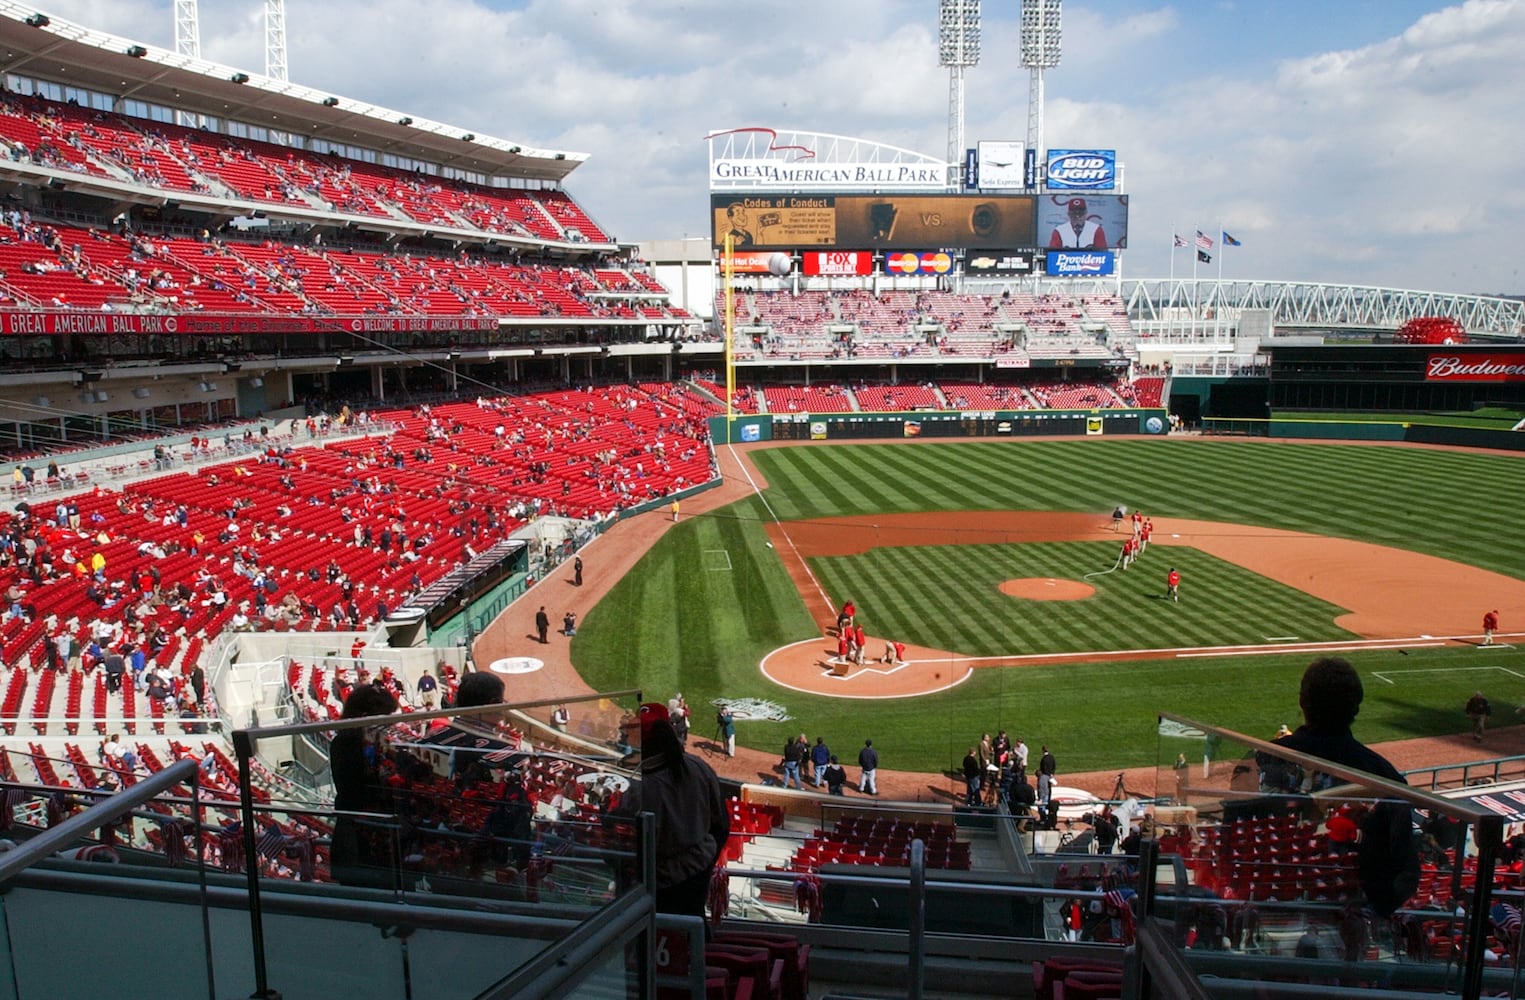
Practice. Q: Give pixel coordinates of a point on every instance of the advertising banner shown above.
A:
(911, 262)
(106, 324)
(1496, 366)
(882, 221)
(749, 261)
(837, 263)
(1080, 263)
(1082, 169)
(1000, 163)
(999, 262)
(1083, 222)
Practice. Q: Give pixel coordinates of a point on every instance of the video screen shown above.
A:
(1075, 221)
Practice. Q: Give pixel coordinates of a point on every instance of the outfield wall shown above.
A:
(937, 424)
(1396, 429)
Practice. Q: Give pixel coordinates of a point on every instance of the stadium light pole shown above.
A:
(1040, 51)
(275, 39)
(958, 48)
(187, 43)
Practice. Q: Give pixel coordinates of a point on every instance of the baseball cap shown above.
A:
(651, 713)
(1079, 203)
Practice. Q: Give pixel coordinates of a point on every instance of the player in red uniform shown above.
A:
(1490, 623)
(1127, 557)
(860, 641)
(1173, 585)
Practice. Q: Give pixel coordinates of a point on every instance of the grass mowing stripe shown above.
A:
(1418, 499)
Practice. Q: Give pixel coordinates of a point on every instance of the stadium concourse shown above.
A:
(617, 551)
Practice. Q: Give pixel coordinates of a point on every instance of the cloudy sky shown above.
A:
(1362, 141)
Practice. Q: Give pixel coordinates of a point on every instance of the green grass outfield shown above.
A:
(710, 599)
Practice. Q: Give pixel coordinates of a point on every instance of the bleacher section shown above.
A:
(58, 266)
(303, 537)
(165, 156)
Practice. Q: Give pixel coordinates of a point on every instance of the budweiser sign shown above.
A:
(1475, 368)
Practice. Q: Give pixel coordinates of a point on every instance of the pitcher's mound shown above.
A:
(1039, 588)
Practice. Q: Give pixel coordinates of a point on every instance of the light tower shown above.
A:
(275, 39)
(187, 43)
(958, 48)
(187, 33)
(1040, 51)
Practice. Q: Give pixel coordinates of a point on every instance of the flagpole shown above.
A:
(1172, 260)
(1221, 246)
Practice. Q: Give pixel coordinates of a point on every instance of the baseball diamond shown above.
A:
(1285, 549)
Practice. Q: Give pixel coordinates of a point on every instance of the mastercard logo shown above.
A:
(918, 263)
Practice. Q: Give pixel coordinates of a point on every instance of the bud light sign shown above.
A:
(1079, 263)
(1082, 169)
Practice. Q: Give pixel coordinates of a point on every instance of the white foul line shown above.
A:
(785, 531)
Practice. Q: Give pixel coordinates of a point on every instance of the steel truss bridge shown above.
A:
(1299, 305)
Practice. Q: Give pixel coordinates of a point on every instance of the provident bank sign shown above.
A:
(813, 173)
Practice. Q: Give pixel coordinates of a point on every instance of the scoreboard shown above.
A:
(878, 222)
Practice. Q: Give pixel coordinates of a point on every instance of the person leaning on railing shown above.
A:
(1387, 858)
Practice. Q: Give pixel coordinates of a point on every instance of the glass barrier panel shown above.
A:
(1274, 869)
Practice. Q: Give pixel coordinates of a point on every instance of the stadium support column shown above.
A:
(958, 48)
(727, 274)
(1040, 51)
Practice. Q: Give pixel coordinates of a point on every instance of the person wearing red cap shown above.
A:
(1079, 231)
(691, 818)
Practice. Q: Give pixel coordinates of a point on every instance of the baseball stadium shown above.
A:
(414, 589)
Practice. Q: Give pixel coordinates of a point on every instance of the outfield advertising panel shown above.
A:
(1082, 169)
(1497, 366)
(1074, 221)
(837, 263)
(882, 221)
(964, 424)
(750, 261)
(1080, 263)
(914, 262)
(999, 262)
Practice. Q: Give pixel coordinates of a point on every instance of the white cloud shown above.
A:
(1391, 162)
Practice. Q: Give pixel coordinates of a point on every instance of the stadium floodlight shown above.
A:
(958, 48)
(330, 102)
(1040, 33)
(405, 121)
(137, 51)
(239, 78)
(39, 20)
(958, 34)
(469, 137)
(1040, 49)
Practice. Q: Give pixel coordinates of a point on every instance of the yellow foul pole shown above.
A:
(728, 272)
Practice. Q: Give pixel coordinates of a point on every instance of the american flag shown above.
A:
(1180, 240)
(1507, 919)
(231, 843)
(272, 842)
(1204, 241)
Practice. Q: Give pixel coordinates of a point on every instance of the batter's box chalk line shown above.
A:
(717, 560)
(1385, 676)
